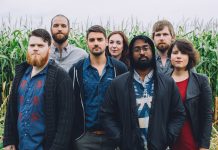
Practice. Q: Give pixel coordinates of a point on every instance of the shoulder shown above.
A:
(164, 78)
(78, 50)
(55, 70)
(118, 64)
(77, 66)
(201, 78)
(121, 79)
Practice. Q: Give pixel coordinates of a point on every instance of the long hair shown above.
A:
(124, 55)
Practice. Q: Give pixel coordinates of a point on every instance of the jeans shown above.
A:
(91, 141)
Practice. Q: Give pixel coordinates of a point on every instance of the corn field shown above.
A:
(14, 41)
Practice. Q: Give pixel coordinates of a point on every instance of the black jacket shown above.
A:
(120, 120)
(76, 74)
(58, 108)
(198, 105)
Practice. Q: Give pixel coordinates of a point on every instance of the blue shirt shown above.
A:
(30, 124)
(95, 87)
(144, 93)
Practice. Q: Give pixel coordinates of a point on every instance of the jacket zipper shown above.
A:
(82, 107)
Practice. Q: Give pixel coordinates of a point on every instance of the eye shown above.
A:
(63, 25)
(118, 42)
(158, 34)
(91, 40)
(175, 52)
(100, 39)
(165, 34)
(55, 25)
(111, 42)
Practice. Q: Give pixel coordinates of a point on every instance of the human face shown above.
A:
(163, 40)
(179, 60)
(60, 29)
(97, 43)
(115, 45)
(142, 55)
(38, 52)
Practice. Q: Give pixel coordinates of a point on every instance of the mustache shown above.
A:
(143, 57)
(162, 43)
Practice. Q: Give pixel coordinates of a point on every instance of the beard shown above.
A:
(163, 47)
(58, 39)
(97, 53)
(36, 59)
(143, 64)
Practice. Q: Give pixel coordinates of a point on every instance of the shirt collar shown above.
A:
(44, 71)
(148, 77)
(159, 58)
(55, 49)
(87, 63)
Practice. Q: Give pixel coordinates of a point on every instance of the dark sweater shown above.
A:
(58, 109)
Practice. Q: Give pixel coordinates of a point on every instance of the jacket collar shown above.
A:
(193, 86)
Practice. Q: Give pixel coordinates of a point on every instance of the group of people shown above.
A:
(137, 95)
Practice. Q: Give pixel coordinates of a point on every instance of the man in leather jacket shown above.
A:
(142, 108)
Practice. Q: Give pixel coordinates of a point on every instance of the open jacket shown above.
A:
(58, 109)
(120, 120)
(198, 106)
(76, 74)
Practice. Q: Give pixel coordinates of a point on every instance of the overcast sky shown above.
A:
(96, 11)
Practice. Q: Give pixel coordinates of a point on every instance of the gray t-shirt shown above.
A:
(70, 56)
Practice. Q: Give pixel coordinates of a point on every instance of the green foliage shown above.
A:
(14, 42)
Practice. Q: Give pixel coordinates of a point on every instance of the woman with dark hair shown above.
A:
(196, 95)
(118, 46)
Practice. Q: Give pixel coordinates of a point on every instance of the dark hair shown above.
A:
(42, 33)
(146, 40)
(124, 54)
(159, 25)
(96, 28)
(186, 47)
(60, 15)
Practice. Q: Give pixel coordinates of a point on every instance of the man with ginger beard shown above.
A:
(142, 108)
(40, 107)
(163, 35)
(62, 52)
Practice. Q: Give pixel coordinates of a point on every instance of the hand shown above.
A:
(9, 147)
(203, 148)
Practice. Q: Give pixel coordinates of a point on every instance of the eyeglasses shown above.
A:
(138, 49)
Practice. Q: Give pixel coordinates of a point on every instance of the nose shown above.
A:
(35, 48)
(59, 28)
(114, 45)
(142, 51)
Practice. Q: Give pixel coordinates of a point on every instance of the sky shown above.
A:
(115, 12)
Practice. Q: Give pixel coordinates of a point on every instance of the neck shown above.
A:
(180, 74)
(162, 54)
(117, 57)
(98, 60)
(60, 46)
(143, 73)
(36, 69)
(163, 57)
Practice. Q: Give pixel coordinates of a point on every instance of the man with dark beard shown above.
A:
(142, 108)
(91, 78)
(163, 35)
(41, 103)
(62, 52)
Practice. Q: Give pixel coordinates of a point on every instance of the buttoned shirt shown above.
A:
(69, 56)
(165, 69)
(144, 93)
(31, 124)
(95, 87)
